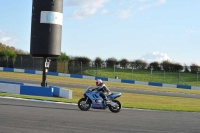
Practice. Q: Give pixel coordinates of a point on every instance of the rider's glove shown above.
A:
(92, 89)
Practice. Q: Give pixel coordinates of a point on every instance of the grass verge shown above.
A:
(92, 83)
(128, 100)
(138, 101)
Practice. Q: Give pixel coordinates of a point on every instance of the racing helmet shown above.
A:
(98, 82)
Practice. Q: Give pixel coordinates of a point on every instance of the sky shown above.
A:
(152, 30)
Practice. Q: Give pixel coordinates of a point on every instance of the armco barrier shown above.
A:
(155, 84)
(27, 89)
(89, 77)
(8, 69)
(10, 88)
(184, 86)
(36, 91)
(30, 71)
(141, 83)
(59, 92)
(19, 70)
(128, 81)
(114, 80)
(52, 73)
(65, 93)
(103, 78)
(63, 75)
(38, 72)
(169, 85)
(19, 83)
(56, 91)
(76, 76)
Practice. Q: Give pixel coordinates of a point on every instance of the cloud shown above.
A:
(159, 2)
(123, 14)
(8, 41)
(155, 56)
(79, 14)
(191, 31)
(141, 5)
(86, 3)
(87, 7)
(104, 11)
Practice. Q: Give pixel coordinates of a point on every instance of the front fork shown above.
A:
(86, 100)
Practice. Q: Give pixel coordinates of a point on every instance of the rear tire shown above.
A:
(117, 108)
(83, 105)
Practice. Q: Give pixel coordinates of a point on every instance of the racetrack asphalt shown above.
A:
(34, 82)
(24, 116)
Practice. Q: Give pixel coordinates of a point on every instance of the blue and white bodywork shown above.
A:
(92, 99)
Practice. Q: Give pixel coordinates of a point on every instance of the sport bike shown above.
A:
(92, 99)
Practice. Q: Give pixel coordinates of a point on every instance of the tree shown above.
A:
(176, 67)
(154, 66)
(98, 62)
(13, 49)
(111, 62)
(2, 46)
(77, 60)
(132, 64)
(166, 65)
(139, 64)
(186, 69)
(77, 64)
(124, 63)
(194, 68)
(7, 54)
(63, 57)
(63, 62)
(173, 67)
(143, 64)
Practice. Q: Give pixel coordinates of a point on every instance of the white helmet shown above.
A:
(98, 82)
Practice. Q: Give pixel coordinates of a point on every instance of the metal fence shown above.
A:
(92, 69)
(146, 75)
(26, 62)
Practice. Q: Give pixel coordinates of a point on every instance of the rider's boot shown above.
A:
(107, 101)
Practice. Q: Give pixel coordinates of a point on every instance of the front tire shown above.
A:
(117, 108)
(83, 105)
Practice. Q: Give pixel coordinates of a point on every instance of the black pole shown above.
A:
(44, 73)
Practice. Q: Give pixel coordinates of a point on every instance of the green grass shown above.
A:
(138, 101)
(92, 82)
(128, 100)
(145, 75)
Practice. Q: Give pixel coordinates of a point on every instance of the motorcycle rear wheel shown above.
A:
(83, 105)
(115, 109)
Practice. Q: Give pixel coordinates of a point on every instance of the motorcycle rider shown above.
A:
(104, 91)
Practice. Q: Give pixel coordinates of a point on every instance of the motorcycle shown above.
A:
(92, 99)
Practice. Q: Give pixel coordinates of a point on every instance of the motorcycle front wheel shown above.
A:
(83, 105)
(117, 108)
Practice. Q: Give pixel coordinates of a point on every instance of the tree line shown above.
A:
(135, 64)
(11, 52)
(141, 64)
